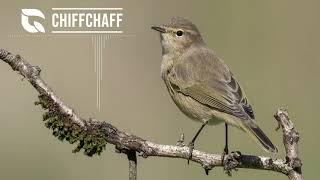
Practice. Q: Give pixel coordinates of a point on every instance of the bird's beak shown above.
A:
(159, 28)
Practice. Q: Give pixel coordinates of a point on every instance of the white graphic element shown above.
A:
(99, 43)
(36, 27)
(88, 32)
(74, 18)
(110, 9)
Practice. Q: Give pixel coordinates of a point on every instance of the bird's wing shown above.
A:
(202, 76)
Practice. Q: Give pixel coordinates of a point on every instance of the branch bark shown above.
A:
(92, 135)
(290, 141)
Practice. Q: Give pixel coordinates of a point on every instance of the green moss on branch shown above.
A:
(89, 139)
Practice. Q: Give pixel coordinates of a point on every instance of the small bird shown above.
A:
(202, 85)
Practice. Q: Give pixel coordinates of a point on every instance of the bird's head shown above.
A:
(178, 35)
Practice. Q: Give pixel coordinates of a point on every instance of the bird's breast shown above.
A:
(166, 64)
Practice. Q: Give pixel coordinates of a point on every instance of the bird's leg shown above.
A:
(226, 149)
(232, 160)
(191, 144)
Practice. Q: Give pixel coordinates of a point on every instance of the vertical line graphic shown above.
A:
(99, 75)
(99, 43)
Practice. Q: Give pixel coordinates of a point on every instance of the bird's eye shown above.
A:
(179, 33)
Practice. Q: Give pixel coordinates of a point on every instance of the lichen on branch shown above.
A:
(89, 139)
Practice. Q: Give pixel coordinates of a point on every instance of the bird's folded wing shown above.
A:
(215, 87)
(215, 101)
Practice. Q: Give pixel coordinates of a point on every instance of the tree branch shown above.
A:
(290, 141)
(92, 135)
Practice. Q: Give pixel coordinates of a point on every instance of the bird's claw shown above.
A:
(224, 153)
(191, 147)
(231, 161)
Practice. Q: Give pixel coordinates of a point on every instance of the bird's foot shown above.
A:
(225, 152)
(181, 141)
(191, 147)
(231, 161)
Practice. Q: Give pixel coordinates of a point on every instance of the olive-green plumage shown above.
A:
(201, 84)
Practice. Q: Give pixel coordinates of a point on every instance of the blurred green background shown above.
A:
(271, 46)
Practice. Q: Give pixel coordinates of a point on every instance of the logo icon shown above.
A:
(36, 27)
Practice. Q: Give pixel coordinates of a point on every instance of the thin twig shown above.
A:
(132, 157)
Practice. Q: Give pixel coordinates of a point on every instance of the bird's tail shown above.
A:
(259, 136)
